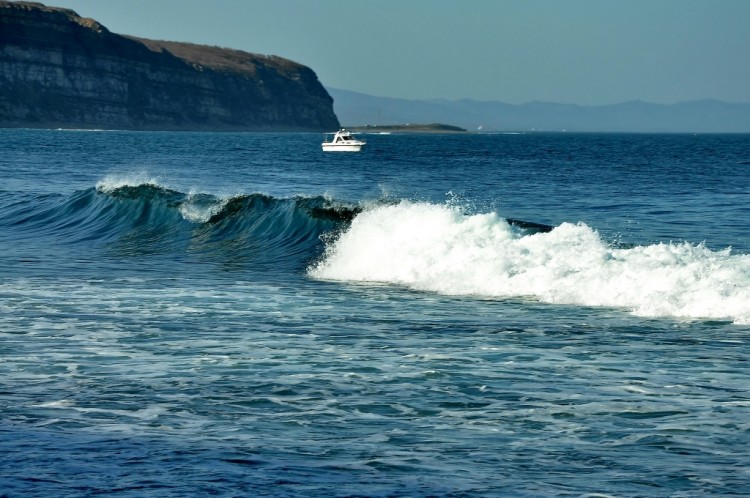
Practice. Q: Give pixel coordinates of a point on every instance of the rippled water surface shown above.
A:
(243, 315)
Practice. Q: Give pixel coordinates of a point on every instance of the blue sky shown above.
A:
(590, 52)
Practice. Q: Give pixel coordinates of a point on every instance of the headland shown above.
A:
(59, 70)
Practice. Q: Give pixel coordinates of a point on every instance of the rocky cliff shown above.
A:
(60, 70)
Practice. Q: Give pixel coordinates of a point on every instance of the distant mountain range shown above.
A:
(703, 116)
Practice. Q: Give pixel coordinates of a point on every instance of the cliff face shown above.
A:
(60, 70)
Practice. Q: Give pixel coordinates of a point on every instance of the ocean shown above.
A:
(460, 315)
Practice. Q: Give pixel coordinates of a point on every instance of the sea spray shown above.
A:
(113, 182)
(201, 208)
(438, 248)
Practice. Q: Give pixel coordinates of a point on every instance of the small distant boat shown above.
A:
(342, 141)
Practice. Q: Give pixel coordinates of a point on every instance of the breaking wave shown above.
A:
(420, 246)
(440, 249)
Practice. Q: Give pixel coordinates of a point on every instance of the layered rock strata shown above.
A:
(60, 70)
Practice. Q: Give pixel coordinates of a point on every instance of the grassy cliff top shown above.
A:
(219, 58)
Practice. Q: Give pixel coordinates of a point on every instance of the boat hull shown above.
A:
(342, 147)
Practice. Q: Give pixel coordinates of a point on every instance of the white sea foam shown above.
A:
(439, 248)
(197, 210)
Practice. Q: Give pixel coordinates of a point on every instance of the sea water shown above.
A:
(239, 314)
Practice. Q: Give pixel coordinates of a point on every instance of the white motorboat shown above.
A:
(342, 141)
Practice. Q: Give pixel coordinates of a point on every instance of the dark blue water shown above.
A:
(244, 315)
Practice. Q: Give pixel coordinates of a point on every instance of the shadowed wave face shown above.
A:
(245, 231)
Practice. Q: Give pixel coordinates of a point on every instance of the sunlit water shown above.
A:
(243, 315)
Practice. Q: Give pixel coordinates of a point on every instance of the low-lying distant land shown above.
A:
(409, 128)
